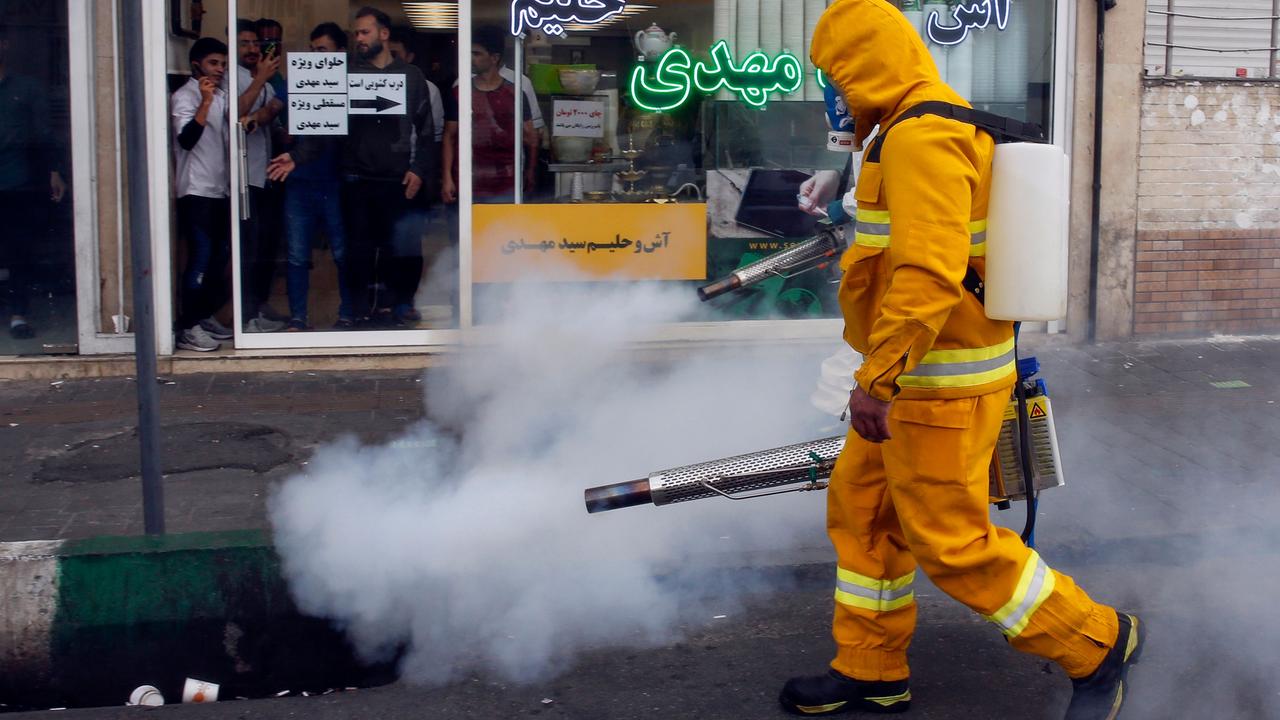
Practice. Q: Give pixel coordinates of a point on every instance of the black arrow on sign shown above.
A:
(379, 104)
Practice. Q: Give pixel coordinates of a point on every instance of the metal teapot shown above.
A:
(653, 42)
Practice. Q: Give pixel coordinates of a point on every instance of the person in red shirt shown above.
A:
(493, 113)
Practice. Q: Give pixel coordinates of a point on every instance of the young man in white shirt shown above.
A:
(200, 125)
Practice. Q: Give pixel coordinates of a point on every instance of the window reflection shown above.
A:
(37, 264)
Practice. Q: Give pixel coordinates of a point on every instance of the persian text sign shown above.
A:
(967, 17)
(577, 118)
(377, 94)
(589, 243)
(677, 75)
(317, 93)
(550, 16)
(317, 73)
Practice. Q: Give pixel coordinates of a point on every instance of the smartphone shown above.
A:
(270, 47)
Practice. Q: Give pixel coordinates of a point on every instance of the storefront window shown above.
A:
(636, 168)
(998, 55)
(597, 154)
(37, 255)
(339, 116)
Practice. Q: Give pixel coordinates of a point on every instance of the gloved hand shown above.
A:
(835, 382)
(818, 191)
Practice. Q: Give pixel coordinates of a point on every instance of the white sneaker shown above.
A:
(216, 330)
(198, 340)
(262, 324)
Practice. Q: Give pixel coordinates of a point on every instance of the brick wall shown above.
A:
(1208, 251)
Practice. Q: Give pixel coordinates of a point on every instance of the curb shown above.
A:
(84, 622)
(115, 366)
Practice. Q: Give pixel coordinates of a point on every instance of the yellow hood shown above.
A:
(877, 60)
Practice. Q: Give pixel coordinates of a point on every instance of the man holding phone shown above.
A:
(271, 44)
(257, 107)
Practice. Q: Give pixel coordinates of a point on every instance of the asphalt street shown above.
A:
(1170, 511)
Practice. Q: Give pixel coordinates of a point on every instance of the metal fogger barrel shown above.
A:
(806, 465)
(829, 243)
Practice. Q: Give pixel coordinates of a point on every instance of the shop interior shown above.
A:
(743, 161)
(37, 245)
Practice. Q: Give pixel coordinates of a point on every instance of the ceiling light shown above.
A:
(432, 15)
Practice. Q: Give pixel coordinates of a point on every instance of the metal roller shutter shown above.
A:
(1248, 29)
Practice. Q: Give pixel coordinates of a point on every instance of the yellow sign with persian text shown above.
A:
(568, 243)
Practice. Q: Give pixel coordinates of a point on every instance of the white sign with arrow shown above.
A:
(377, 94)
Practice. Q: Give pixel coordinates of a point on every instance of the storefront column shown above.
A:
(155, 26)
(1122, 98)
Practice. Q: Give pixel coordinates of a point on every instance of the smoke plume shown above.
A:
(465, 540)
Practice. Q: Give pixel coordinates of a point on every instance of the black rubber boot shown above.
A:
(1100, 695)
(833, 693)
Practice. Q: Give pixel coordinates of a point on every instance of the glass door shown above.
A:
(38, 311)
(335, 231)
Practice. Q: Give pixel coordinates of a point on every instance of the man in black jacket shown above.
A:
(386, 158)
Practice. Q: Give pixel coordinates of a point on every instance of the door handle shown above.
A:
(243, 160)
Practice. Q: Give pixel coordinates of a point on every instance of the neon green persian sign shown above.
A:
(677, 75)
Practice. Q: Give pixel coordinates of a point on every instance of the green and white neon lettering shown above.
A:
(669, 88)
(754, 79)
(677, 75)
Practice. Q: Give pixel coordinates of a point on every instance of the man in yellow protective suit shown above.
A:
(911, 486)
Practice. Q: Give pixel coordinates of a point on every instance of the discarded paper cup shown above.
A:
(199, 691)
(146, 695)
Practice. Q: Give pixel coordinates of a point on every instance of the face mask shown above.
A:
(840, 124)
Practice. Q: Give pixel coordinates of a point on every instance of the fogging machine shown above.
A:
(819, 252)
(807, 466)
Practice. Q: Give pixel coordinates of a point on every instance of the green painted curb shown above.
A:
(89, 620)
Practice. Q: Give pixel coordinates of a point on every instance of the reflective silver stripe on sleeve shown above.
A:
(963, 368)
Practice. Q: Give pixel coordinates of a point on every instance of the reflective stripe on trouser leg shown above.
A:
(874, 613)
(1034, 587)
(939, 458)
(869, 593)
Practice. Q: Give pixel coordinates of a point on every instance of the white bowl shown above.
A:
(579, 82)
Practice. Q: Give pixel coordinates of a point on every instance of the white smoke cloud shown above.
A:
(1169, 511)
(466, 540)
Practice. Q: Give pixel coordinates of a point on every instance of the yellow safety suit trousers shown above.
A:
(921, 497)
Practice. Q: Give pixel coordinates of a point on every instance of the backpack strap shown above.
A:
(1003, 129)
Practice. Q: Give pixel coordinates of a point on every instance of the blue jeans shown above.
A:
(206, 222)
(310, 205)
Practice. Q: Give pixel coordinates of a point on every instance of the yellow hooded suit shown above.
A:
(928, 347)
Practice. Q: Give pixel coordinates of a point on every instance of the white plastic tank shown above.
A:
(1027, 233)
